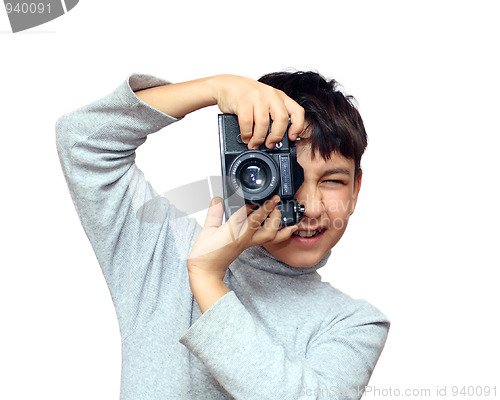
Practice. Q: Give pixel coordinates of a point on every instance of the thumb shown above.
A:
(215, 213)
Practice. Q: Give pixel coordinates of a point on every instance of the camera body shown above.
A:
(254, 176)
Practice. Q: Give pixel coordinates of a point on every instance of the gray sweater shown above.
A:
(280, 333)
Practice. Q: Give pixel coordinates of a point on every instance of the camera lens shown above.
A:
(253, 176)
(256, 175)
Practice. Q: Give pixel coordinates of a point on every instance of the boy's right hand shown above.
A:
(254, 103)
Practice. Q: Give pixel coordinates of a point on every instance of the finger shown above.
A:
(269, 228)
(245, 121)
(256, 218)
(240, 215)
(215, 213)
(251, 208)
(238, 222)
(273, 221)
(279, 115)
(260, 127)
(284, 234)
(297, 117)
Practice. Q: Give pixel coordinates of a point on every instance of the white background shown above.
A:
(422, 245)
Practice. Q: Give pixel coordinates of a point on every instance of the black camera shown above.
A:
(254, 176)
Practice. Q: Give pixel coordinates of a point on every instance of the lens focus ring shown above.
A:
(256, 174)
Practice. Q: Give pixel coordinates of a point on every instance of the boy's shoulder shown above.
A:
(339, 307)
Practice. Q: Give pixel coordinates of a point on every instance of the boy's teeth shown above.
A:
(307, 233)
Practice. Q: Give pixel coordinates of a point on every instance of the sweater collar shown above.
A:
(258, 257)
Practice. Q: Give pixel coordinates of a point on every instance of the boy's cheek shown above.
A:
(338, 207)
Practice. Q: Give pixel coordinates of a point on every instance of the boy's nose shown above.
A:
(312, 200)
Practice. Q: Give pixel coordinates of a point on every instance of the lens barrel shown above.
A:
(256, 175)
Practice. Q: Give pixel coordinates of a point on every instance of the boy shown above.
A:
(234, 310)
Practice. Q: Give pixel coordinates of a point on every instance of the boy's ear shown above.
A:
(355, 191)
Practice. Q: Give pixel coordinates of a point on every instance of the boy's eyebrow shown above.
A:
(334, 171)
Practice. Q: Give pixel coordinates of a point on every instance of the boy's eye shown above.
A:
(334, 182)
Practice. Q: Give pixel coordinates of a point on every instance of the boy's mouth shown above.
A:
(308, 233)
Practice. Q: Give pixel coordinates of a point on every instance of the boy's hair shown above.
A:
(336, 123)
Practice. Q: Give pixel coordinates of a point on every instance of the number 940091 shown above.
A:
(28, 8)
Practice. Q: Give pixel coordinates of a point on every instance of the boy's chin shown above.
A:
(303, 259)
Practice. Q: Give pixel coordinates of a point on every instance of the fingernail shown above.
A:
(271, 145)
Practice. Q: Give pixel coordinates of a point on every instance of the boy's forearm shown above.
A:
(206, 290)
(180, 99)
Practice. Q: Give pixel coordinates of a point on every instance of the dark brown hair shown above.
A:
(335, 122)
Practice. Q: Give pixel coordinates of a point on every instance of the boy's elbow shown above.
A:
(61, 137)
(65, 137)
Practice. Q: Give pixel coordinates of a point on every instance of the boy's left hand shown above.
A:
(218, 245)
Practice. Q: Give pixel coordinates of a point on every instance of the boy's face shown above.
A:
(329, 194)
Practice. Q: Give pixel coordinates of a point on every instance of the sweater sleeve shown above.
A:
(242, 357)
(132, 229)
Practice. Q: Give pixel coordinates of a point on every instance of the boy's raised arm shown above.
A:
(129, 226)
(253, 102)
